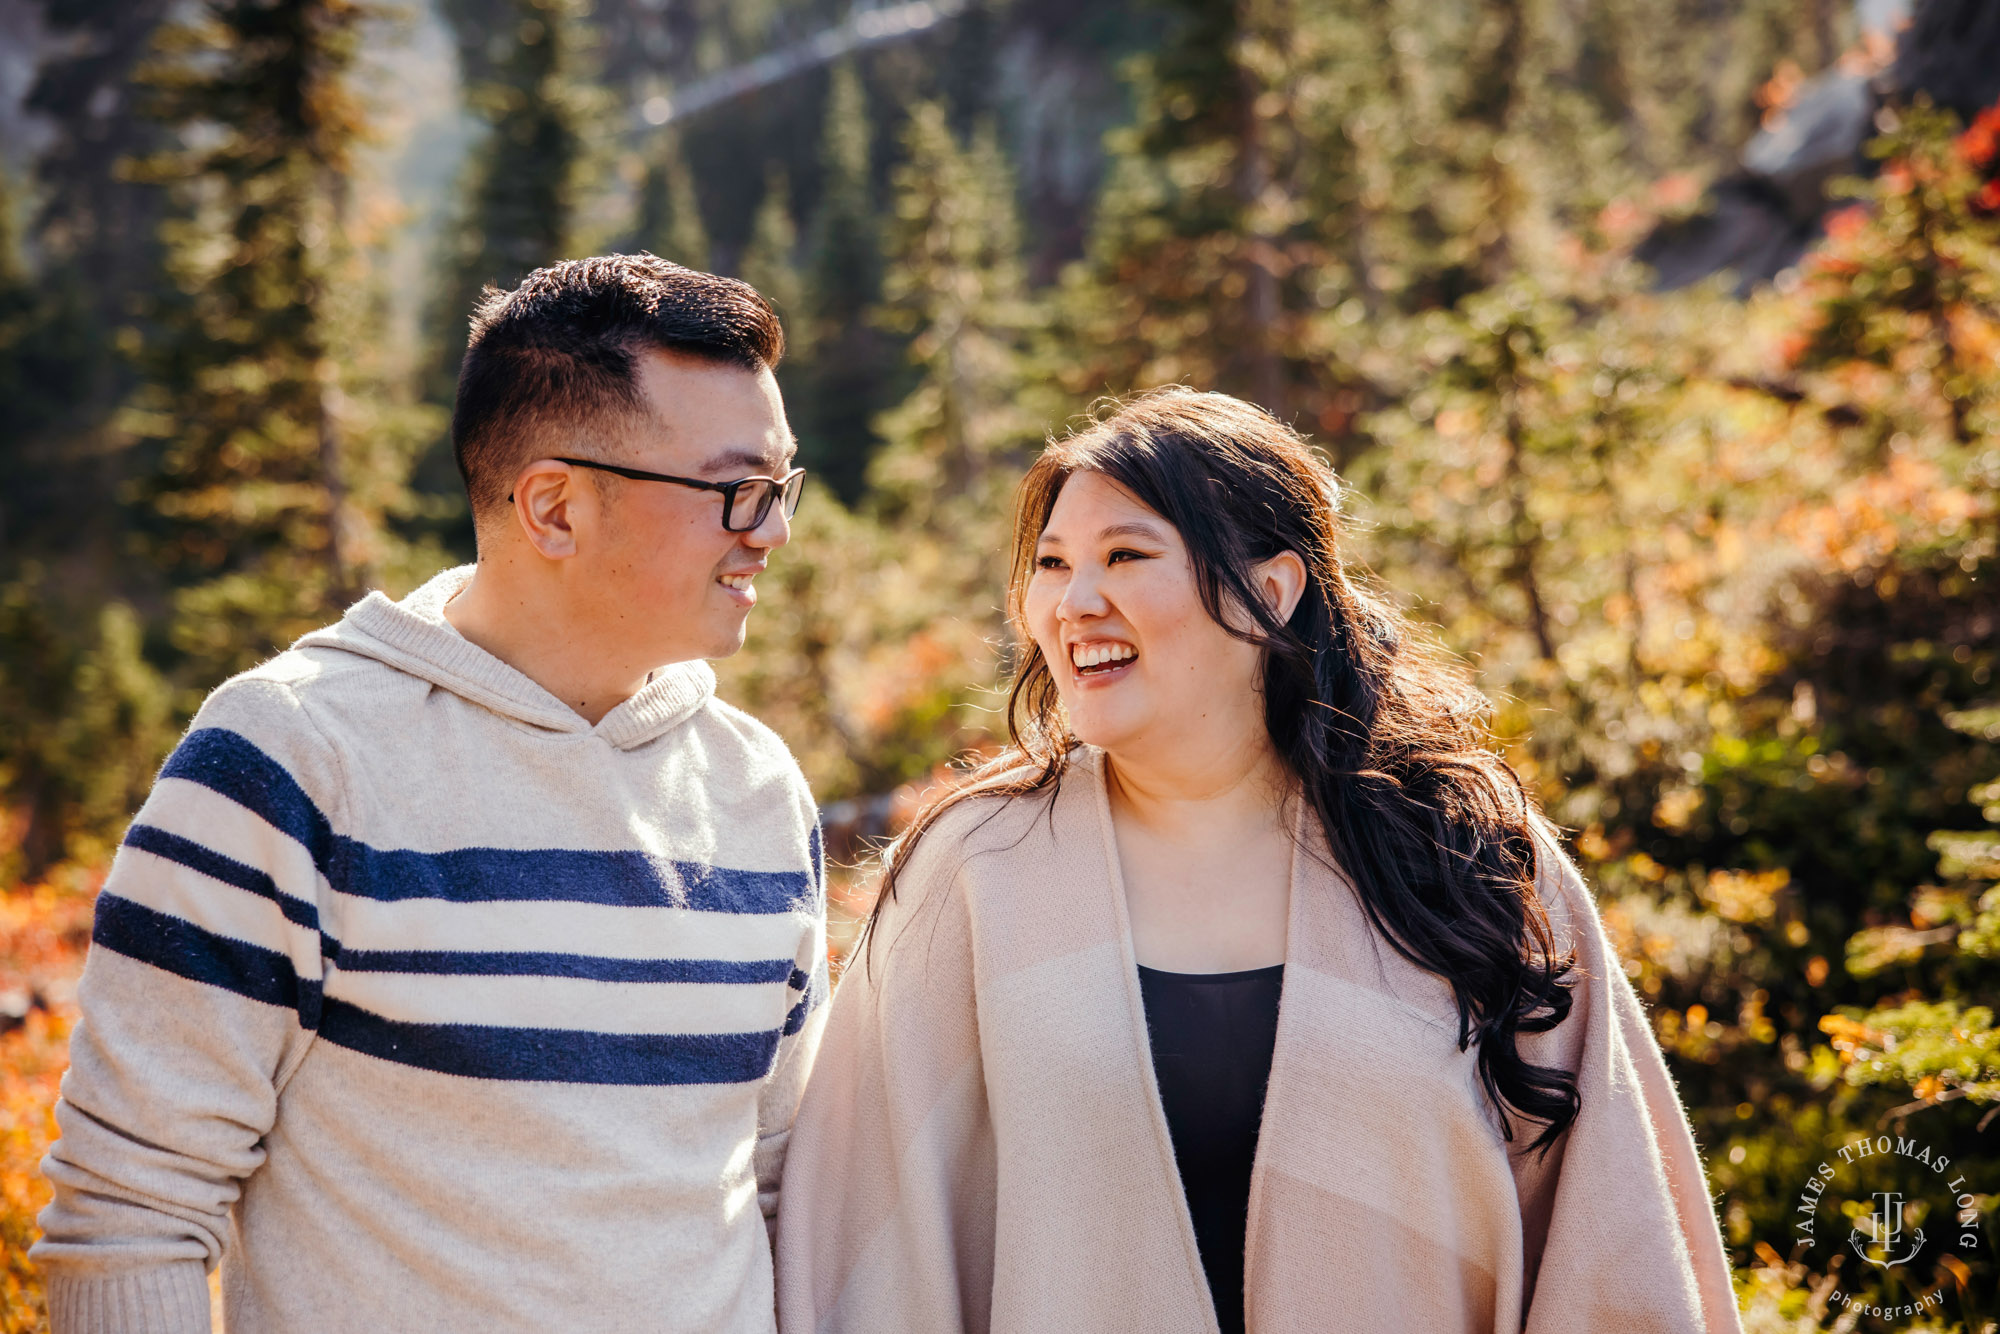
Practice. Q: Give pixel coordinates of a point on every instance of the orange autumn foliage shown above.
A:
(44, 930)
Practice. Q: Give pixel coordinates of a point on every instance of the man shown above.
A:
(463, 968)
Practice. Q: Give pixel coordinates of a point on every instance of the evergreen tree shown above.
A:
(93, 232)
(520, 63)
(770, 261)
(84, 724)
(1300, 171)
(265, 503)
(882, 621)
(955, 289)
(669, 222)
(55, 480)
(1944, 1048)
(846, 378)
(1197, 258)
(34, 385)
(1915, 289)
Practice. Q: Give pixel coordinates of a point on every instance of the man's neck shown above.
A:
(526, 623)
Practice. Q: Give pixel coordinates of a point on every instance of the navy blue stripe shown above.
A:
(816, 854)
(625, 879)
(184, 949)
(797, 1018)
(494, 963)
(478, 1051)
(474, 1050)
(800, 980)
(497, 963)
(161, 843)
(226, 762)
(229, 764)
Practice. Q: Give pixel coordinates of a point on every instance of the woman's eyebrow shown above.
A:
(1133, 528)
(1130, 528)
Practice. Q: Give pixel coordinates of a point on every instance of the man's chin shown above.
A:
(727, 640)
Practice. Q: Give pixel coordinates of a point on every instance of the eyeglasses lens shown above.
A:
(746, 507)
(750, 503)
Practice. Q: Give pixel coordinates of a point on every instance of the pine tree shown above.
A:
(521, 64)
(93, 232)
(1915, 290)
(1208, 258)
(54, 486)
(1945, 1048)
(883, 620)
(1300, 172)
(956, 290)
(84, 723)
(669, 222)
(265, 504)
(770, 261)
(844, 380)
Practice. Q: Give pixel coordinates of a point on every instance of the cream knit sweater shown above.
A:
(422, 1004)
(982, 1146)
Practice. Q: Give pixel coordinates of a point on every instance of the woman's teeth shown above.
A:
(1085, 657)
(739, 582)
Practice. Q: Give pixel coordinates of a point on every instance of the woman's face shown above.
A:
(1113, 605)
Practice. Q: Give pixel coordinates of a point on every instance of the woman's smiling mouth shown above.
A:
(1101, 659)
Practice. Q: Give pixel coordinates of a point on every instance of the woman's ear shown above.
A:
(1281, 581)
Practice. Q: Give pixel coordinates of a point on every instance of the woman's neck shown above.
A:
(1191, 797)
(1205, 854)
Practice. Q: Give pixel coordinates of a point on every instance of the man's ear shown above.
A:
(547, 497)
(1282, 582)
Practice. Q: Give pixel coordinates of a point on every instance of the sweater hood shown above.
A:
(413, 636)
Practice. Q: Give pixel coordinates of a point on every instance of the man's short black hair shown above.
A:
(561, 351)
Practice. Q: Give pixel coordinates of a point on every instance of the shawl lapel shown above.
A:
(1313, 934)
(1353, 1185)
(1118, 1034)
(1364, 1067)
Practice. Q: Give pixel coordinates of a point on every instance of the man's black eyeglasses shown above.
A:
(745, 501)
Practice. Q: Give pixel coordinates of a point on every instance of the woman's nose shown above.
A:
(1082, 598)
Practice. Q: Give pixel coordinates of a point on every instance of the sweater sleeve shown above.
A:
(890, 1193)
(798, 1043)
(200, 995)
(1619, 1230)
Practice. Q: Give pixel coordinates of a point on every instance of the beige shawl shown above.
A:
(981, 1146)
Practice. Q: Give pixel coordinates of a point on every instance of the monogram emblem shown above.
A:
(1878, 1244)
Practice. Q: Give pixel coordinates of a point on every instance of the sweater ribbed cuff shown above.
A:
(160, 1299)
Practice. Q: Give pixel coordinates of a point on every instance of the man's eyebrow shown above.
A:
(743, 457)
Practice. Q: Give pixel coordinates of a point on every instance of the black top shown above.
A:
(1212, 1036)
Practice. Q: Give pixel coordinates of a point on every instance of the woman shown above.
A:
(1248, 989)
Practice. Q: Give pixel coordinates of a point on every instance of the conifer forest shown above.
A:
(1657, 343)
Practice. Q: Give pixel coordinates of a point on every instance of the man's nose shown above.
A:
(774, 531)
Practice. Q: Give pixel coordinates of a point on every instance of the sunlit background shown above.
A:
(1657, 340)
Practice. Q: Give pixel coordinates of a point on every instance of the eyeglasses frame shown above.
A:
(728, 489)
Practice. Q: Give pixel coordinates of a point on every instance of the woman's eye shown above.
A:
(1048, 562)
(1122, 554)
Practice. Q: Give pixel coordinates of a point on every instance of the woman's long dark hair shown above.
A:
(1386, 736)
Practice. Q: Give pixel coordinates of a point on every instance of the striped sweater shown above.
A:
(419, 1003)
